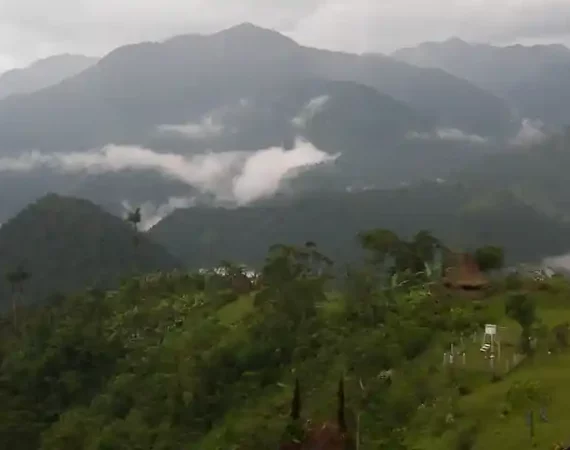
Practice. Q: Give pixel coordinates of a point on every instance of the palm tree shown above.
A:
(134, 219)
(17, 278)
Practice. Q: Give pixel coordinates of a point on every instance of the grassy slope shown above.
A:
(486, 404)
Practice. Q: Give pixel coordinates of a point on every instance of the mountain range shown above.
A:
(233, 141)
(468, 217)
(246, 89)
(136, 88)
(534, 80)
(236, 117)
(43, 73)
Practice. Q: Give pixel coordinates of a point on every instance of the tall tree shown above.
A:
(293, 281)
(341, 416)
(296, 403)
(522, 309)
(489, 258)
(134, 219)
(405, 256)
(17, 278)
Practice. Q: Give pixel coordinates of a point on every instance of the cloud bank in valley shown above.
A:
(240, 177)
(449, 134)
(152, 214)
(310, 110)
(530, 133)
(206, 128)
(212, 124)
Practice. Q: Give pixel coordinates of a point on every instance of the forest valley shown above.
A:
(216, 360)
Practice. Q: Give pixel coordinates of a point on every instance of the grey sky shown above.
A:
(32, 29)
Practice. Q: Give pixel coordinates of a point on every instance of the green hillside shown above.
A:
(187, 360)
(67, 244)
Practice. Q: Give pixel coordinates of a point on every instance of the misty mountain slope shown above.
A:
(454, 101)
(43, 73)
(537, 175)
(114, 190)
(544, 95)
(368, 129)
(535, 80)
(136, 88)
(332, 115)
(242, 89)
(491, 67)
(68, 244)
(462, 217)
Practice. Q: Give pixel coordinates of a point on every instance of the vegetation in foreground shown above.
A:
(209, 361)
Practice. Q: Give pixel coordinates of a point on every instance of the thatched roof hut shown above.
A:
(464, 273)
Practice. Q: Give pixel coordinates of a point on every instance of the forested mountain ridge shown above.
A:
(535, 174)
(66, 245)
(468, 217)
(244, 89)
(488, 66)
(123, 97)
(43, 73)
(533, 79)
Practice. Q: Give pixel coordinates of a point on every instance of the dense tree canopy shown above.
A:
(189, 360)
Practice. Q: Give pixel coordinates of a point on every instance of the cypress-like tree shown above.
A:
(341, 418)
(296, 403)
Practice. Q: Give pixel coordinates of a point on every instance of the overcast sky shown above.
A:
(32, 29)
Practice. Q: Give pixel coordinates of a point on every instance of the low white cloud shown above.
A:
(212, 124)
(448, 134)
(264, 171)
(558, 263)
(309, 110)
(530, 133)
(453, 134)
(152, 214)
(238, 176)
(206, 128)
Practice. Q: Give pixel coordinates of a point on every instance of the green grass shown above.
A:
(511, 432)
(235, 311)
(486, 405)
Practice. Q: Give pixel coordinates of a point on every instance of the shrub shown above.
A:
(466, 437)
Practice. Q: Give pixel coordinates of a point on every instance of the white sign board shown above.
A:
(491, 329)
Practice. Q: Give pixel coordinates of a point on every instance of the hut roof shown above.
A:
(464, 273)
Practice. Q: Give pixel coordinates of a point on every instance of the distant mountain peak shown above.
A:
(248, 30)
(457, 42)
(247, 27)
(43, 73)
(453, 43)
(63, 57)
